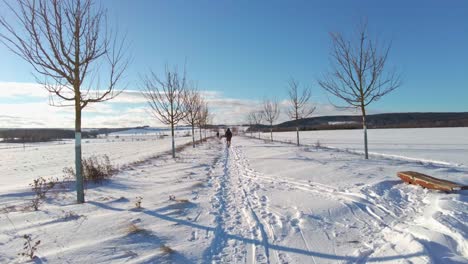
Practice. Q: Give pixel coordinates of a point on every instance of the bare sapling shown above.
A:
(165, 98)
(257, 118)
(299, 105)
(358, 73)
(271, 113)
(72, 52)
(203, 118)
(193, 106)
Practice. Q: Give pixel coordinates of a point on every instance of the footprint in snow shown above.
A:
(295, 222)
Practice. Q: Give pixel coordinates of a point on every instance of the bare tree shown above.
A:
(250, 121)
(209, 119)
(203, 117)
(165, 98)
(257, 118)
(299, 104)
(271, 113)
(66, 42)
(358, 75)
(192, 101)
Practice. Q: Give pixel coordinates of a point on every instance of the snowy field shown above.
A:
(436, 145)
(21, 165)
(255, 202)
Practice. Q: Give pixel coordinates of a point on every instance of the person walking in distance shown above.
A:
(228, 136)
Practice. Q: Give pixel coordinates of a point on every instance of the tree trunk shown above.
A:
(79, 175)
(271, 132)
(173, 140)
(297, 132)
(193, 135)
(199, 129)
(364, 126)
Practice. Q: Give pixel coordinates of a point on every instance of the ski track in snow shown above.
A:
(246, 228)
(240, 235)
(386, 221)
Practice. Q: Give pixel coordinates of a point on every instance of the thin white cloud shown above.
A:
(127, 110)
(18, 90)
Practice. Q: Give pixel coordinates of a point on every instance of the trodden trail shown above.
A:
(239, 235)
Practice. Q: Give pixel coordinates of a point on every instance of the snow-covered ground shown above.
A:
(255, 202)
(437, 145)
(21, 165)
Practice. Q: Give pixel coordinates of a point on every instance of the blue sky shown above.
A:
(243, 51)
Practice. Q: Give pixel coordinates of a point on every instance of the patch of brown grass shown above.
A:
(167, 250)
(133, 229)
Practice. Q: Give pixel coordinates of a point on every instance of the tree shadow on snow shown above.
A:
(220, 235)
(217, 231)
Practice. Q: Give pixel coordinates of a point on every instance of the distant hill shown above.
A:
(389, 120)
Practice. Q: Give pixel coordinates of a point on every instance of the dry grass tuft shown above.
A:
(167, 250)
(134, 229)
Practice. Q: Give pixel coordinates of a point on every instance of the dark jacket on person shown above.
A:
(228, 134)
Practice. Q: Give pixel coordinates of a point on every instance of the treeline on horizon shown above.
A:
(390, 120)
(29, 135)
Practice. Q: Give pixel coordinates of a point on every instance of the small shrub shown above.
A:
(29, 247)
(35, 203)
(95, 169)
(40, 187)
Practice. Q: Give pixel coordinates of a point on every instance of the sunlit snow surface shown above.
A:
(256, 202)
(441, 145)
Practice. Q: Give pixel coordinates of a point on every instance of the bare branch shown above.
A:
(358, 70)
(299, 106)
(165, 97)
(64, 41)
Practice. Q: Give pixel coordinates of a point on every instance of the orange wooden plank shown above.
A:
(429, 182)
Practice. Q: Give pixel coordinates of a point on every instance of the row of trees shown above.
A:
(172, 99)
(80, 61)
(299, 107)
(358, 77)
